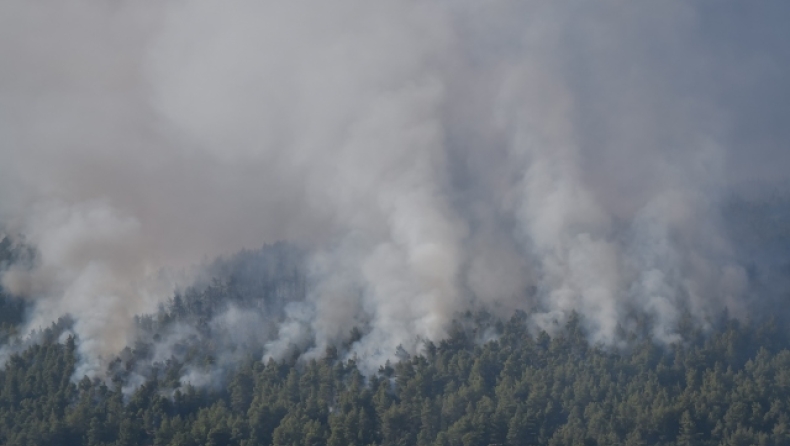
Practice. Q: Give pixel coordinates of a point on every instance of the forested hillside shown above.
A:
(730, 388)
(412, 223)
(193, 377)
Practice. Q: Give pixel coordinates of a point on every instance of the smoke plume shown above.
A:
(433, 157)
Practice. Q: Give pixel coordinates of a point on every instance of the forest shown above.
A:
(490, 382)
(379, 223)
(730, 388)
(194, 376)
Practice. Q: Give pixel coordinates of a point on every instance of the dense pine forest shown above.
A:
(730, 388)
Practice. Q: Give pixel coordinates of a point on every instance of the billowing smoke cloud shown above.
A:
(433, 156)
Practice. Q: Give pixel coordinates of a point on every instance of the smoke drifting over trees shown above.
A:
(427, 157)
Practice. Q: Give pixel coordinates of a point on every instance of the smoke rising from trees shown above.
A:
(433, 157)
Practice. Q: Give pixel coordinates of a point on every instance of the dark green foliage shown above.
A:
(731, 388)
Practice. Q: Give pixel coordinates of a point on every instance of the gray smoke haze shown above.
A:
(434, 156)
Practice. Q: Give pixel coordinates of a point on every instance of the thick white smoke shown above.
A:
(433, 156)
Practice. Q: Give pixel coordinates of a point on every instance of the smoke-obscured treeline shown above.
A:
(430, 157)
(12, 308)
(210, 368)
(546, 216)
(256, 303)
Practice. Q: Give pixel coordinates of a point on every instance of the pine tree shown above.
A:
(688, 435)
